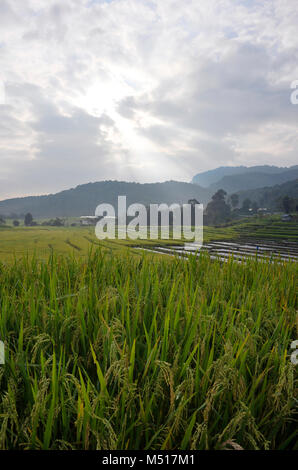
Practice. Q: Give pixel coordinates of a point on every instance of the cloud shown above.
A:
(143, 90)
(63, 147)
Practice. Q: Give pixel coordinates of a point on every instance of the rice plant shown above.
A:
(122, 351)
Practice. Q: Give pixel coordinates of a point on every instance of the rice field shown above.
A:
(119, 349)
(43, 241)
(239, 250)
(267, 228)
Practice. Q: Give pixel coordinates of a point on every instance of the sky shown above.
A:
(143, 90)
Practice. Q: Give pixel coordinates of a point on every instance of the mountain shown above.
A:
(271, 197)
(84, 199)
(234, 183)
(234, 179)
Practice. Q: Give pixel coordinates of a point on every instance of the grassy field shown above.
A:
(266, 228)
(141, 352)
(114, 348)
(42, 241)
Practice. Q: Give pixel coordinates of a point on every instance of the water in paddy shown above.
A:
(223, 250)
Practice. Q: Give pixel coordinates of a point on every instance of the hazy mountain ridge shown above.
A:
(234, 183)
(83, 199)
(233, 179)
(270, 197)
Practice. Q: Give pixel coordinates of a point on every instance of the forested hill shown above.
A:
(83, 199)
(271, 197)
(233, 179)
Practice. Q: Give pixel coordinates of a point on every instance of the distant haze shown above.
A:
(233, 179)
(261, 183)
(84, 199)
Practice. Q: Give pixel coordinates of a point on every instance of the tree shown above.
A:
(255, 207)
(58, 222)
(219, 195)
(246, 205)
(2, 220)
(234, 200)
(217, 210)
(287, 204)
(54, 222)
(16, 223)
(28, 219)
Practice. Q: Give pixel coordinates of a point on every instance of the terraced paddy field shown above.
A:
(239, 251)
(109, 346)
(271, 228)
(43, 241)
(261, 239)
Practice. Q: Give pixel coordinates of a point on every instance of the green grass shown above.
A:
(42, 241)
(15, 242)
(114, 351)
(265, 228)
